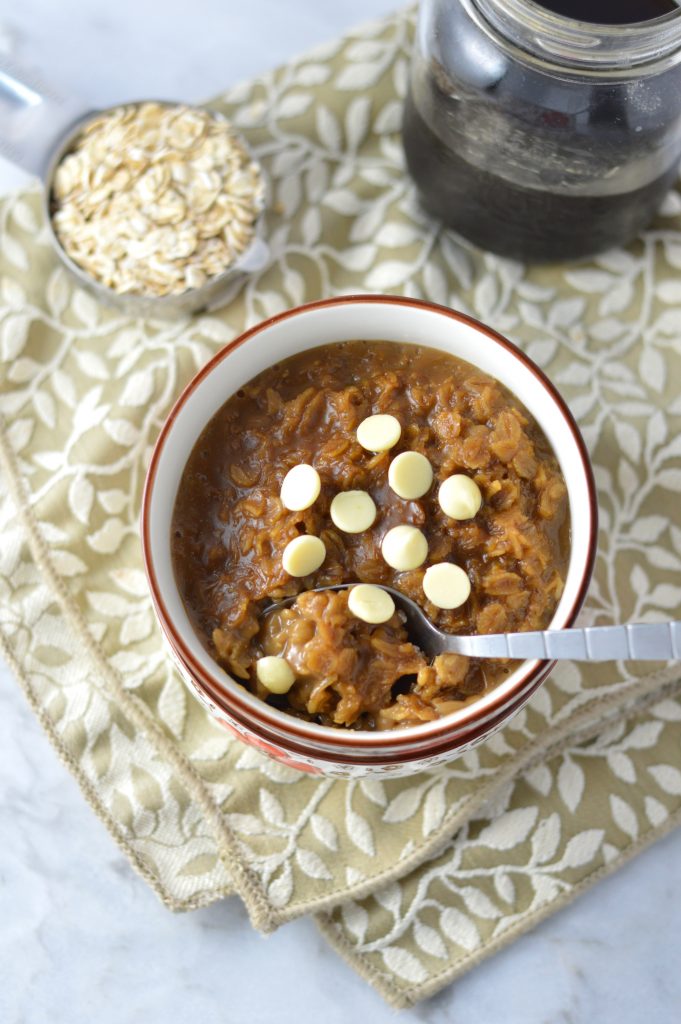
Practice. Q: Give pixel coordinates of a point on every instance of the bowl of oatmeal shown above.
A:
(377, 441)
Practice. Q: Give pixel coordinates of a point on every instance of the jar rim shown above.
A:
(556, 38)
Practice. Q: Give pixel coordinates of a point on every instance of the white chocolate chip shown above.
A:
(353, 511)
(379, 433)
(446, 585)
(459, 497)
(300, 488)
(303, 555)
(371, 604)
(275, 674)
(410, 475)
(404, 548)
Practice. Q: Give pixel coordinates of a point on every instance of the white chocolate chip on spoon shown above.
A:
(371, 604)
(410, 475)
(459, 497)
(303, 555)
(275, 674)
(379, 433)
(404, 548)
(446, 585)
(353, 511)
(300, 488)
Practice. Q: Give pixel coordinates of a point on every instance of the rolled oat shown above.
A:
(155, 199)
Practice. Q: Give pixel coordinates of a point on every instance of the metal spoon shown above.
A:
(638, 642)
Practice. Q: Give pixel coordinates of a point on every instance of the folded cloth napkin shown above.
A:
(413, 880)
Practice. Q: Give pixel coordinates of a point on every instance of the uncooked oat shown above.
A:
(156, 199)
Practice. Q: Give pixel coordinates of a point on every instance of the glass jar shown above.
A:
(539, 137)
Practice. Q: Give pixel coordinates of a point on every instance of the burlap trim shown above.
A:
(246, 883)
(90, 794)
(581, 726)
(402, 999)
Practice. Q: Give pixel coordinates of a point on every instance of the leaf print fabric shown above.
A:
(415, 879)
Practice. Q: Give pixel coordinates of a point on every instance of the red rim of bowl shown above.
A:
(346, 739)
(414, 753)
(411, 749)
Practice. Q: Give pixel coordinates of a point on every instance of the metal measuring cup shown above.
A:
(38, 128)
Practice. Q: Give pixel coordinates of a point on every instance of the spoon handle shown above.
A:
(639, 642)
(32, 116)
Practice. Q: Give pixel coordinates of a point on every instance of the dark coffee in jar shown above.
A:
(610, 12)
(532, 147)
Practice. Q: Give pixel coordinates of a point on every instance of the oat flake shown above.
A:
(155, 199)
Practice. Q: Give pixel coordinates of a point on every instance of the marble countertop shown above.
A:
(81, 937)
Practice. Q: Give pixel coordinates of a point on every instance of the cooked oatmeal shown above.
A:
(231, 529)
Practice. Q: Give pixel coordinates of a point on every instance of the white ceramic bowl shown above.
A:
(309, 746)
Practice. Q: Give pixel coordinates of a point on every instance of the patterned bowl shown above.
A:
(308, 746)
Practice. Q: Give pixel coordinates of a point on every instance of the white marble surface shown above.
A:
(81, 937)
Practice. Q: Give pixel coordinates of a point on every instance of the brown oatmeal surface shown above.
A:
(230, 528)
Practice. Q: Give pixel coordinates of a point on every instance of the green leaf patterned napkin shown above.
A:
(413, 880)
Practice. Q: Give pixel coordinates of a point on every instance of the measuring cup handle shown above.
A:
(32, 116)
